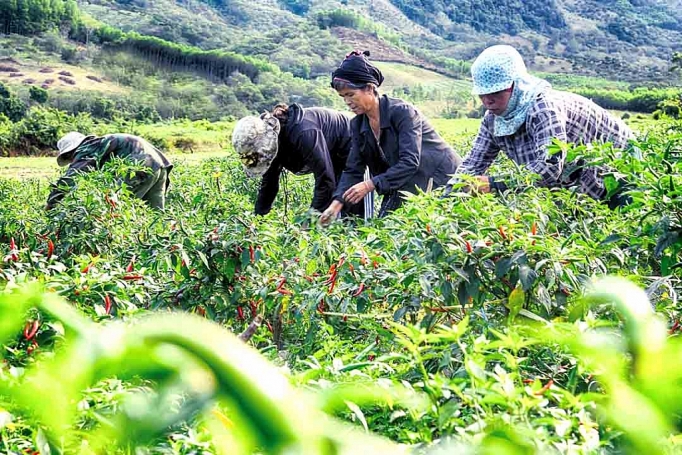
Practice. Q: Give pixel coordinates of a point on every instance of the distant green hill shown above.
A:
(619, 39)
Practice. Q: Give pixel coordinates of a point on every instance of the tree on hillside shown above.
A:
(676, 61)
(29, 17)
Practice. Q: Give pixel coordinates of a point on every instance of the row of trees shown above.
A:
(215, 65)
(29, 17)
(638, 100)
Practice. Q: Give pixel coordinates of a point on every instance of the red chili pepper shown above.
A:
(285, 291)
(320, 307)
(131, 265)
(110, 201)
(240, 313)
(534, 228)
(342, 260)
(363, 258)
(351, 268)
(86, 268)
(545, 387)
(132, 276)
(375, 264)
(32, 347)
(201, 311)
(345, 318)
(13, 250)
(359, 290)
(502, 233)
(267, 323)
(428, 228)
(333, 272)
(30, 329)
(674, 328)
(254, 308)
(332, 286)
(107, 304)
(50, 248)
(252, 254)
(281, 283)
(371, 357)
(469, 249)
(528, 381)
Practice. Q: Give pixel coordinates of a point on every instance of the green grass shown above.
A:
(46, 166)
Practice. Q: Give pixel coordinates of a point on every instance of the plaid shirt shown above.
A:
(555, 115)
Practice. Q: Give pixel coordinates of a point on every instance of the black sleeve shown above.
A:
(313, 148)
(353, 173)
(66, 182)
(409, 126)
(269, 187)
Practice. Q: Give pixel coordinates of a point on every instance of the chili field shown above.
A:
(536, 321)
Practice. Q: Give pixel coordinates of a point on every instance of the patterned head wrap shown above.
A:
(497, 69)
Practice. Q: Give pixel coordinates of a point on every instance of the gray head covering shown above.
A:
(255, 140)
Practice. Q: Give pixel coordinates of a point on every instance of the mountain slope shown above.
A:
(620, 39)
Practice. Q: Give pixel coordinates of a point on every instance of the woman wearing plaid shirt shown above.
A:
(525, 115)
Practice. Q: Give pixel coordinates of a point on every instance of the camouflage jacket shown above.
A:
(94, 152)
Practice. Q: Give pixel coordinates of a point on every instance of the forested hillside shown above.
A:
(619, 39)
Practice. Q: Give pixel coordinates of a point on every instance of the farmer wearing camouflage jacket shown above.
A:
(86, 153)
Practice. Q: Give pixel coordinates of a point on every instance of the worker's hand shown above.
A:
(355, 193)
(331, 213)
(480, 185)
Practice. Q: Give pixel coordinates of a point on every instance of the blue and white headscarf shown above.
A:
(496, 69)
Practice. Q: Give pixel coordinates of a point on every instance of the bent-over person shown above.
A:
(303, 141)
(524, 115)
(87, 153)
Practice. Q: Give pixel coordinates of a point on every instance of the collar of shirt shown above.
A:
(384, 116)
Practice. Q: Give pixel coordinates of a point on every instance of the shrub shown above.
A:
(10, 104)
(37, 94)
(42, 127)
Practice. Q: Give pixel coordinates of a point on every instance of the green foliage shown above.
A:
(454, 275)
(41, 128)
(29, 17)
(299, 7)
(216, 65)
(37, 94)
(10, 105)
(348, 18)
(671, 107)
(507, 16)
(639, 100)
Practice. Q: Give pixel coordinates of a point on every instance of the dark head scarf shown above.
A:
(357, 70)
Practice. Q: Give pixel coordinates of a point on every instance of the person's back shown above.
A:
(586, 122)
(87, 153)
(301, 126)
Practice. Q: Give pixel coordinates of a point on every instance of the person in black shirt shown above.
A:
(309, 140)
(391, 137)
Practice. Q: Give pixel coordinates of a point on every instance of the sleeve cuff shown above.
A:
(379, 185)
(496, 185)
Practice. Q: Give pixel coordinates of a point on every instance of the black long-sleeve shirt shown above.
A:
(314, 140)
(409, 151)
